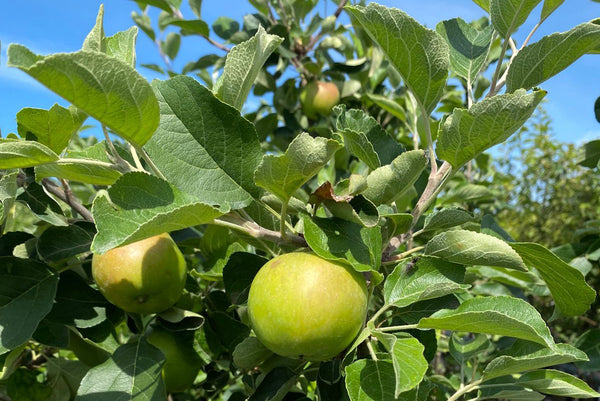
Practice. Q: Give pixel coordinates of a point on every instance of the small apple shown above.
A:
(319, 97)
(147, 276)
(182, 362)
(301, 305)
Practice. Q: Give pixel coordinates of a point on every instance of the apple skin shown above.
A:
(182, 362)
(147, 276)
(318, 98)
(303, 306)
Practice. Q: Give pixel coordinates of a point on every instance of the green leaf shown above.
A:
(467, 133)
(24, 384)
(468, 46)
(420, 393)
(139, 206)
(242, 66)
(365, 138)
(539, 61)
(100, 85)
(330, 383)
(171, 45)
(504, 388)
(525, 355)
(275, 385)
(90, 165)
(354, 208)
(589, 342)
(555, 382)
(508, 15)
(15, 153)
(284, 174)
(122, 45)
(358, 210)
(469, 193)
(238, 274)
(42, 205)
(58, 243)
(549, 7)
(515, 278)
(162, 4)
(343, 241)
(389, 105)
(413, 313)
(26, 297)
(485, 4)
(250, 353)
(53, 128)
(572, 295)
(77, 304)
(204, 146)
(66, 375)
(94, 41)
(400, 222)
(463, 348)
(144, 23)
(590, 154)
(419, 54)
(195, 26)
(133, 372)
(504, 316)
(389, 182)
(196, 6)
(368, 380)
(427, 278)
(82, 170)
(447, 218)
(407, 358)
(230, 332)
(224, 27)
(8, 191)
(472, 248)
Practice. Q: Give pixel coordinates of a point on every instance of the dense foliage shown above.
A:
(392, 187)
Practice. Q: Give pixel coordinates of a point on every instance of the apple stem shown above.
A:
(378, 313)
(396, 258)
(283, 221)
(151, 164)
(399, 328)
(124, 164)
(465, 389)
(371, 350)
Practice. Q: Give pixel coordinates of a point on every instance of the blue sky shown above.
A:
(61, 25)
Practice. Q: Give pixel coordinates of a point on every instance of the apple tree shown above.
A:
(242, 157)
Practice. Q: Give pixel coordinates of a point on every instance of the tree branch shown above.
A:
(216, 44)
(69, 199)
(336, 14)
(256, 231)
(437, 181)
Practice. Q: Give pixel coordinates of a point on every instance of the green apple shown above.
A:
(147, 276)
(303, 306)
(182, 362)
(319, 97)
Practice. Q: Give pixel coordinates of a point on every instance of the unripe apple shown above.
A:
(303, 306)
(182, 362)
(319, 97)
(147, 276)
